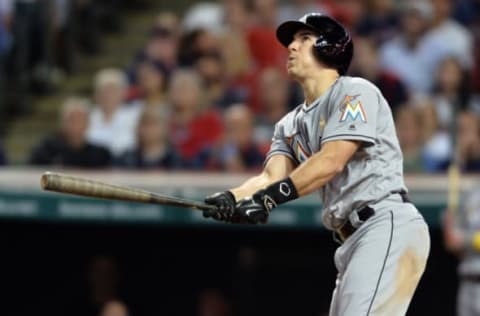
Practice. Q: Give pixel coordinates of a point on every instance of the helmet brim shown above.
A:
(287, 30)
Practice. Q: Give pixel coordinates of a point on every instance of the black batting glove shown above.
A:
(254, 210)
(225, 203)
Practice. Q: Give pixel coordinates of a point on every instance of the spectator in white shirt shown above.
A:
(446, 29)
(411, 55)
(113, 123)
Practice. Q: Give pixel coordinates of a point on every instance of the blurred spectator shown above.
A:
(437, 144)
(451, 90)
(168, 21)
(195, 127)
(410, 55)
(28, 65)
(62, 36)
(6, 7)
(348, 12)
(103, 277)
(114, 308)
(162, 45)
(264, 47)
(203, 15)
(292, 10)
(218, 91)
(445, 29)
(3, 157)
(274, 90)
(380, 22)
(462, 238)
(70, 147)
(88, 33)
(407, 123)
(153, 148)
(196, 43)
(468, 141)
(233, 40)
(92, 18)
(366, 64)
(112, 122)
(5, 44)
(212, 302)
(151, 79)
(239, 152)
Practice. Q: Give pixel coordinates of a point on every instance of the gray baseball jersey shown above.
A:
(352, 109)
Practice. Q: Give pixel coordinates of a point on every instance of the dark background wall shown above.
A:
(163, 270)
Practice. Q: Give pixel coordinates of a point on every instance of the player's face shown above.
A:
(301, 60)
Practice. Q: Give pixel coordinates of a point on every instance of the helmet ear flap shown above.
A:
(334, 52)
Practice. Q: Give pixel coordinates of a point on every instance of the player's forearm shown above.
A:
(252, 185)
(315, 173)
(276, 168)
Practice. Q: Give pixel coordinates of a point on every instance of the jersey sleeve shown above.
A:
(280, 142)
(353, 115)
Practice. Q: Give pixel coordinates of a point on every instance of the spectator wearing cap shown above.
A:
(410, 55)
(69, 147)
(112, 122)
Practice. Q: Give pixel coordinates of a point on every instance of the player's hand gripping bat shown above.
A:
(91, 188)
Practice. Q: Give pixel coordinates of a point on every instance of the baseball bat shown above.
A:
(453, 176)
(63, 183)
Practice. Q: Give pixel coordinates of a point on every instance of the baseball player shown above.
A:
(341, 142)
(462, 237)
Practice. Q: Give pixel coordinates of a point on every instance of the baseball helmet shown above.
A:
(334, 46)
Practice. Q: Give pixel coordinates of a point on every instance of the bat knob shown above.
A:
(44, 180)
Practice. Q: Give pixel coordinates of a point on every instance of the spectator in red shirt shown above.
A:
(264, 47)
(195, 127)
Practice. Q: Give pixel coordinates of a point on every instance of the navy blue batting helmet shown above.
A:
(334, 46)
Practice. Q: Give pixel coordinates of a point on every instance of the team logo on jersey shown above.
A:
(353, 109)
(300, 153)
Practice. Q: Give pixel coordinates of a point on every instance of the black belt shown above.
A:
(471, 278)
(347, 229)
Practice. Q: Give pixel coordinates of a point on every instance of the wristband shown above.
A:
(282, 191)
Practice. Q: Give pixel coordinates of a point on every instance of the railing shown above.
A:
(21, 198)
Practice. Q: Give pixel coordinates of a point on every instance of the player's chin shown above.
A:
(292, 73)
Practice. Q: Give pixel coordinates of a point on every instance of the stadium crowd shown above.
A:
(207, 87)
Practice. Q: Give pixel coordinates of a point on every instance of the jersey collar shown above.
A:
(320, 99)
